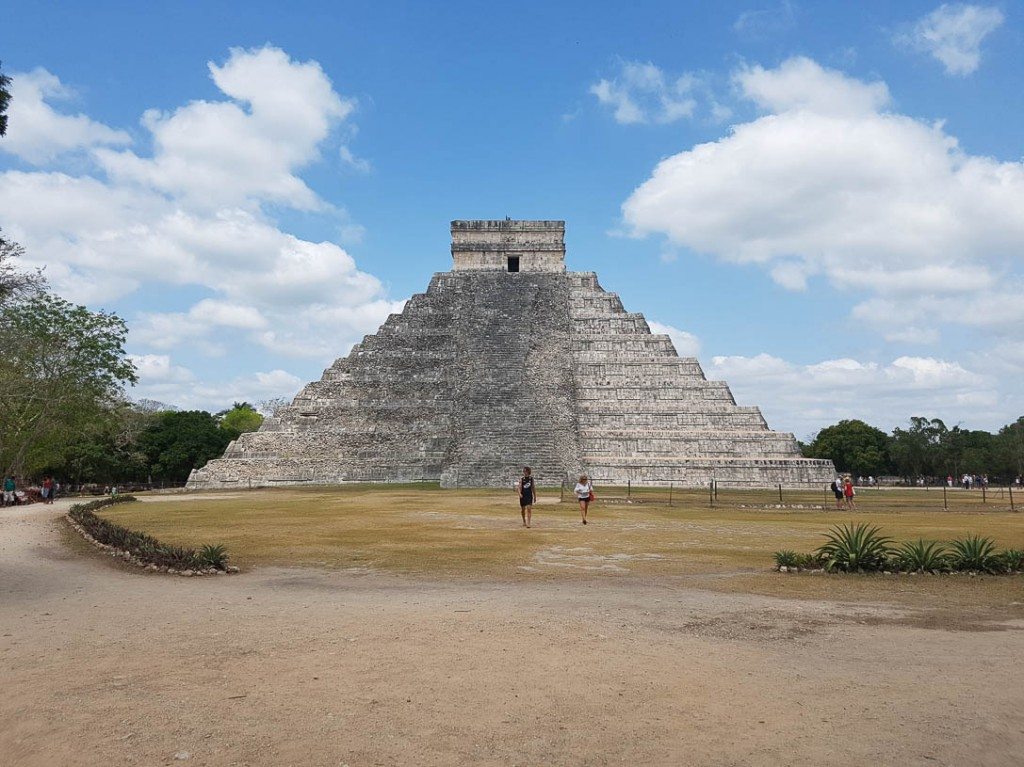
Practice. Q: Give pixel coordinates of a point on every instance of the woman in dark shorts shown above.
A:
(527, 495)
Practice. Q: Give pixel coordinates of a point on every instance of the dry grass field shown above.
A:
(477, 534)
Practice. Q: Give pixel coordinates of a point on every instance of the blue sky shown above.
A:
(823, 201)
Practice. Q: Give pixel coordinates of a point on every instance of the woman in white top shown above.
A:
(584, 494)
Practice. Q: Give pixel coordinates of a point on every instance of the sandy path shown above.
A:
(104, 666)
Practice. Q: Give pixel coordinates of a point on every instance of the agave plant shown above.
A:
(855, 548)
(214, 556)
(1013, 560)
(786, 558)
(974, 553)
(810, 561)
(921, 556)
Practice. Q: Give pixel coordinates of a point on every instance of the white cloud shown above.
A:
(155, 369)
(643, 93)
(37, 133)
(358, 164)
(687, 344)
(801, 84)
(803, 398)
(830, 184)
(953, 34)
(188, 394)
(235, 152)
(763, 22)
(194, 216)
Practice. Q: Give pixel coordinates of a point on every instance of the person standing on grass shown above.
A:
(837, 491)
(848, 493)
(584, 492)
(9, 488)
(527, 495)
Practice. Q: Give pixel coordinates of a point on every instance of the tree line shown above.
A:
(63, 407)
(925, 448)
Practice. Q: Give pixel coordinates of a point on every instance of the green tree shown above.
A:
(177, 442)
(242, 417)
(61, 367)
(853, 446)
(918, 451)
(1008, 450)
(5, 100)
(108, 452)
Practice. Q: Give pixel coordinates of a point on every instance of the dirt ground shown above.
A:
(101, 665)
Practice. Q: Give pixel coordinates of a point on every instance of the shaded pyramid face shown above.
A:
(509, 361)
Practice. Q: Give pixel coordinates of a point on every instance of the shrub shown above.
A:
(810, 561)
(786, 558)
(1013, 560)
(214, 556)
(855, 548)
(974, 553)
(921, 556)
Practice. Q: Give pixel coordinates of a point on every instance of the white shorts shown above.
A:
(8, 496)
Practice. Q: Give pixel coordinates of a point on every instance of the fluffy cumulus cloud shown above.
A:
(831, 182)
(161, 381)
(38, 134)
(802, 398)
(193, 215)
(642, 93)
(953, 35)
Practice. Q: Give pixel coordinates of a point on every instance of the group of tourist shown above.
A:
(47, 491)
(842, 488)
(969, 481)
(526, 487)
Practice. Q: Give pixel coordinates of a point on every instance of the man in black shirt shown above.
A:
(527, 495)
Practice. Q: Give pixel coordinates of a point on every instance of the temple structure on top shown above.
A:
(506, 361)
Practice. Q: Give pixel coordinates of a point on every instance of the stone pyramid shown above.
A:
(509, 361)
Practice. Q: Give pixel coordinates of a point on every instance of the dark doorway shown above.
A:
(513, 263)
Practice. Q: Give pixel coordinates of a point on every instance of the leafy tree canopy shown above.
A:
(177, 442)
(242, 417)
(853, 446)
(61, 367)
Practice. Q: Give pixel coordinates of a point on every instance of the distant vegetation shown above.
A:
(927, 448)
(146, 443)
